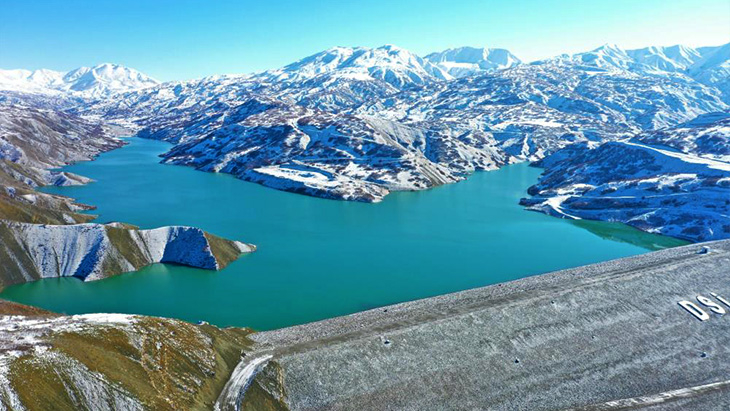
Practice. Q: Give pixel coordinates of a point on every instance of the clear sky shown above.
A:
(180, 39)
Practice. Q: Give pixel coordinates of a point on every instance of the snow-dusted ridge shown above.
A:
(88, 82)
(674, 181)
(357, 123)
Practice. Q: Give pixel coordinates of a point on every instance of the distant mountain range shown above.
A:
(98, 81)
(356, 123)
(393, 65)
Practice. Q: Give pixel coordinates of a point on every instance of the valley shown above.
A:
(318, 258)
(402, 210)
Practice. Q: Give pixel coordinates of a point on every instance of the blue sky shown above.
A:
(187, 39)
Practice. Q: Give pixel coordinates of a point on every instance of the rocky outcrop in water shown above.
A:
(95, 251)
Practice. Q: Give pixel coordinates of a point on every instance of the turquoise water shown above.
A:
(319, 258)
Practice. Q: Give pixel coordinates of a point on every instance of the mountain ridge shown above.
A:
(91, 82)
(357, 123)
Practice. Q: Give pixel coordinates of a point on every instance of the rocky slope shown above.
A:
(111, 361)
(40, 139)
(35, 141)
(674, 181)
(94, 251)
(341, 156)
(40, 234)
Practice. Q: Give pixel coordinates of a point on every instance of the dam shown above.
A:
(605, 336)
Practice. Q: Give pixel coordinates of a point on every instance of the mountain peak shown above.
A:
(388, 63)
(464, 61)
(97, 81)
(608, 48)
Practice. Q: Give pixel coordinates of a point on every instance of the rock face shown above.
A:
(111, 361)
(95, 251)
(674, 181)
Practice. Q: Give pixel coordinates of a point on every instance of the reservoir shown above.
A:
(319, 258)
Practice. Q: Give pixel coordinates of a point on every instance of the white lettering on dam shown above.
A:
(700, 311)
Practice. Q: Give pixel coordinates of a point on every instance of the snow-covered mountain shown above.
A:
(713, 68)
(669, 59)
(674, 181)
(89, 82)
(466, 61)
(358, 123)
(326, 126)
(393, 65)
(673, 59)
(706, 65)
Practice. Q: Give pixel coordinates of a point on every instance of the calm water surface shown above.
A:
(319, 258)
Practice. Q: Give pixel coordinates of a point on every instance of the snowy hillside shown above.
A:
(674, 181)
(466, 61)
(707, 65)
(714, 68)
(91, 82)
(391, 64)
(356, 123)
